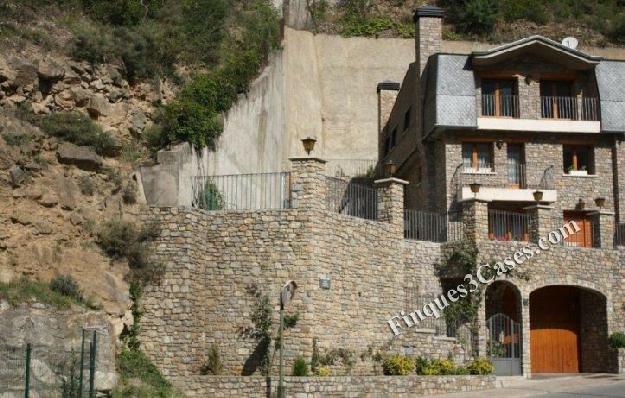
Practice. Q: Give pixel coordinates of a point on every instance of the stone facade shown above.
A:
(321, 387)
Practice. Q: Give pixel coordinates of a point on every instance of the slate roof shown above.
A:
(450, 97)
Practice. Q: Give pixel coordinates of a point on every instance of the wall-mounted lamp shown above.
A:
(538, 195)
(309, 144)
(475, 188)
(390, 168)
(580, 204)
(499, 144)
(600, 201)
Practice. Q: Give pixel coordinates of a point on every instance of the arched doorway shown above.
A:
(568, 330)
(503, 326)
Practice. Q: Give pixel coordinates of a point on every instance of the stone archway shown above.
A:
(503, 327)
(568, 330)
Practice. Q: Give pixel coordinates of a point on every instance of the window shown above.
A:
(408, 118)
(578, 160)
(477, 156)
(499, 98)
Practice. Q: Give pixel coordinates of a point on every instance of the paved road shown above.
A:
(591, 386)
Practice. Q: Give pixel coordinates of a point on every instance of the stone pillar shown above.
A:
(525, 335)
(475, 219)
(390, 192)
(541, 221)
(603, 229)
(308, 183)
(482, 335)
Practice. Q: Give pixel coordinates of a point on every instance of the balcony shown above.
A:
(508, 225)
(566, 114)
(511, 185)
(500, 105)
(567, 108)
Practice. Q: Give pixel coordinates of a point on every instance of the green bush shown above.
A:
(480, 366)
(78, 129)
(122, 239)
(25, 290)
(531, 10)
(478, 16)
(16, 139)
(140, 377)
(617, 340)
(300, 368)
(86, 185)
(213, 363)
(397, 365)
(67, 286)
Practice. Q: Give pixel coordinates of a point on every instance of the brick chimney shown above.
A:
(429, 34)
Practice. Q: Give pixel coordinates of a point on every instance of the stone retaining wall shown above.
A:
(318, 387)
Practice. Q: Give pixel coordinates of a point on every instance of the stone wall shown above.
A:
(321, 387)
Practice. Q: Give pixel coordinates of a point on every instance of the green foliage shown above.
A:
(397, 365)
(300, 368)
(436, 367)
(262, 331)
(123, 239)
(69, 372)
(16, 139)
(480, 366)
(25, 290)
(213, 363)
(531, 10)
(324, 371)
(617, 340)
(344, 356)
(358, 20)
(134, 365)
(66, 286)
(478, 16)
(314, 360)
(78, 129)
(290, 321)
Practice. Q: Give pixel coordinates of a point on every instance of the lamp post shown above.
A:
(390, 168)
(309, 144)
(286, 295)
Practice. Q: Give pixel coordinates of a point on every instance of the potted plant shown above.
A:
(580, 172)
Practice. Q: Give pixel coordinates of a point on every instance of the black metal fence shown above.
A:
(243, 191)
(433, 227)
(350, 198)
(30, 370)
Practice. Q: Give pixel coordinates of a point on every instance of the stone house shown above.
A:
(497, 148)
(525, 136)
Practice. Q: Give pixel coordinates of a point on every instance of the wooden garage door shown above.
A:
(554, 330)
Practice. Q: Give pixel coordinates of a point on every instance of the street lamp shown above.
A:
(286, 295)
(309, 144)
(390, 168)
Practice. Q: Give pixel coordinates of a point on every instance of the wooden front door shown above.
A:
(582, 238)
(554, 330)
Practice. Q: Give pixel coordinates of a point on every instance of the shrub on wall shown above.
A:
(300, 368)
(67, 286)
(617, 340)
(213, 363)
(397, 365)
(480, 366)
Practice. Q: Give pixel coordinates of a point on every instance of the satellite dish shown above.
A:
(570, 42)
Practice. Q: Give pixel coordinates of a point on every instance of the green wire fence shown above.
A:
(30, 370)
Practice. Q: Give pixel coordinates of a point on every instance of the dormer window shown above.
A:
(499, 98)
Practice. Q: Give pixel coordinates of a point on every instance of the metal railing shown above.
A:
(619, 234)
(433, 227)
(559, 107)
(517, 175)
(351, 167)
(30, 370)
(590, 109)
(352, 199)
(508, 225)
(243, 191)
(500, 105)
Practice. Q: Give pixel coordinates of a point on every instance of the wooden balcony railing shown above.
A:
(500, 105)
